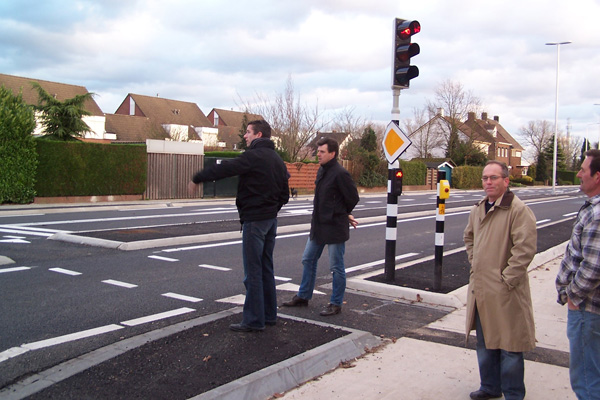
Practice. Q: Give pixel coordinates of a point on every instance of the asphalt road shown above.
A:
(62, 289)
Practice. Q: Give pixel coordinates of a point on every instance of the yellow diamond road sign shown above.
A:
(395, 142)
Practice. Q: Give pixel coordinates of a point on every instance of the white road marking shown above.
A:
(378, 262)
(13, 269)
(281, 278)
(24, 348)
(14, 241)
(541, 221)
(163, 258)
(156, 317)
(182, 297)
(208, 266)
(291, 287)
(65, 271)
(202, 246)
(238, 299)
(119, 283)
(23, 230)
(570, 214)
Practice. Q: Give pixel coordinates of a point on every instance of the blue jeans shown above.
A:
(501, 371)
(583, 331)
(258, 242)
(310, 258)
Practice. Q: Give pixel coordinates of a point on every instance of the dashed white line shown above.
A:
(163, 258)
(182, 297)
(208, 266)
(65, 271)
(541, 221)
(119, 283)
(156, 317)
(281, 278)
(14, 269)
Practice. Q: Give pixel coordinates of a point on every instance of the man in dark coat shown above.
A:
(262, 191)
(335, 198)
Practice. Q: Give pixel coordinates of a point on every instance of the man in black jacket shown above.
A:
(262, 191)
(335, 198)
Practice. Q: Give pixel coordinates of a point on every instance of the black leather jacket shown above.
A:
(335, 198)
(263, 184)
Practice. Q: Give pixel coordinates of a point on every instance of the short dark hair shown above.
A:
(332, 145)
(262, 126)
(594, 156)
(501, 164)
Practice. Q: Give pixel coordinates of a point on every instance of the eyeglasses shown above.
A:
(491, 178)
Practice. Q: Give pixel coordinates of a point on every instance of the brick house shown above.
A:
(61, 91)
(181, 120)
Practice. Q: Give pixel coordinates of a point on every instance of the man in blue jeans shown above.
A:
(335, 198)
(262, 191)
(500, 240)
(578, 285)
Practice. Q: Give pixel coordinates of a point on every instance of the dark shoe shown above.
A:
(483, 395)
(271, 323)
(296, 302)
(331, 309)
(244, 328)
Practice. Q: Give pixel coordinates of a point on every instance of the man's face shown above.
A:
(324, 155)
(250, 135)
(590, 184)
(493, 182)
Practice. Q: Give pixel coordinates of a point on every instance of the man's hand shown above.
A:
(192, 188)
(352, 221)
(571, 305)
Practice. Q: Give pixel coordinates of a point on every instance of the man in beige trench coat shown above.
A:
(500, 239)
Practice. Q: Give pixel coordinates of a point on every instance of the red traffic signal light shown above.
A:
(402, 71)
(396, 175)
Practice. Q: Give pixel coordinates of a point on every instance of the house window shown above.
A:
(216, 123)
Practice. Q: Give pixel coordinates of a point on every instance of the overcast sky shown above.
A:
(338, 52)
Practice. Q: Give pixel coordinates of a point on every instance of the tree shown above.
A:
(546, 160)
(242, 143)
(536, 134)
(292, 121)
(62, 120)
(454, 103)
(18, 157)
(425, 137)
(346, 121)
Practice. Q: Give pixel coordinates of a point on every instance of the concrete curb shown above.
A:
(275, 378)
(455, 299)
(292, 372)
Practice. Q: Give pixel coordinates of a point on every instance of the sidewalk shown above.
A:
(416, 369)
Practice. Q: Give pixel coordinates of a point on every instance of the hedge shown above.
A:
(90, 169)
(18, 158)
(467, 177)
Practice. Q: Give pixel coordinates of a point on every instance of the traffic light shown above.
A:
(397, 175)
(403, 72)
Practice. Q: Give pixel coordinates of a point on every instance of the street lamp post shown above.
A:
(557, 44)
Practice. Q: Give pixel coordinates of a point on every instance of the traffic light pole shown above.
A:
(392, 206)
(440, 217)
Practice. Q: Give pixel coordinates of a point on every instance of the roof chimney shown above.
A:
(484, 116)
(496, 118)
(471, 116)
(440, 112)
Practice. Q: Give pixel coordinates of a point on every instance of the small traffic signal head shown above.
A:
(396, 187)
(402, 71)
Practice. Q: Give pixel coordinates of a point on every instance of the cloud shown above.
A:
(338, 52)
